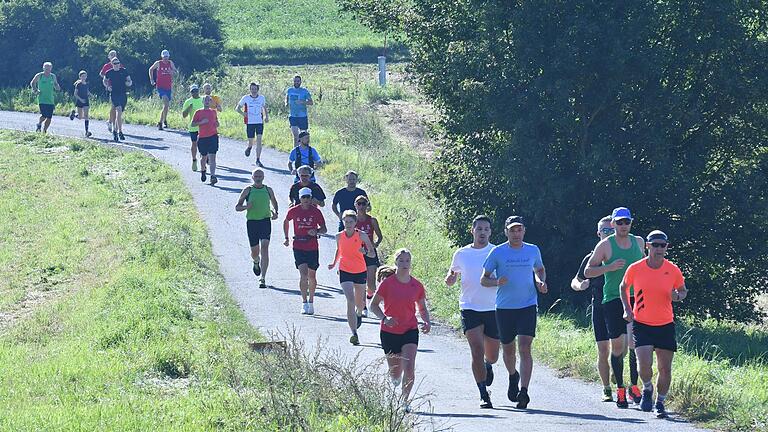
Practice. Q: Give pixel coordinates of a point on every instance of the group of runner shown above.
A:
(632, 291)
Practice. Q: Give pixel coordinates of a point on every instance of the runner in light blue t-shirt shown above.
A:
(297, 98)
(515, 268)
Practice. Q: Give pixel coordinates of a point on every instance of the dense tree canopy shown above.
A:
(561, 110)
(76, 34)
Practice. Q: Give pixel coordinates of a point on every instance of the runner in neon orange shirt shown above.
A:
(657, 283)
(350, 246)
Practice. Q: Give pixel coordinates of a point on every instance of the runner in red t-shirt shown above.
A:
(104, 69)
(164, 68)
(308, 223)
(208, 137)
(401, 294)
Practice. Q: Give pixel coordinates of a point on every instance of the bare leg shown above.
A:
(349, 293)
(510, 357)
(46, 125)
(264, 258)
(526, 359)
(663, 381)
(492, 350)
(311, 283)
(258, 146)
(212, 163)
(409, 368)
(603, 367)
(164, 112)
(395, 368)
(303, 281)
(476, 340)
(193, 150)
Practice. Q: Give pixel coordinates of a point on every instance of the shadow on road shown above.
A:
(142, 137)
(233, 178)
(297, 292)
(229, 189)
(233, 170)
(455, 415)
(143, 146)
(277, 170)
(583, 416)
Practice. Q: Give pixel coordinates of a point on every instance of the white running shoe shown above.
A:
(305, 309)
(109, 126)
(365, 312)
(311, 308)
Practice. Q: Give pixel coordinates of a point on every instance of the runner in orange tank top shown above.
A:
(351, 244)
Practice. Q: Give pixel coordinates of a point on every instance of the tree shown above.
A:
(562, 110)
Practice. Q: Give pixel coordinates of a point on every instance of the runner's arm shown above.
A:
(152, 69)
(264, 113)
(623, 294)
(323, 229)
(336, 207)
(679, 294)
(376, 232)
(56, 83)
(424, 313)
(335, 255)
(241, 206)
(33, 83)
(173, 67)
(488, 281)
(309, 101)
(285, 230)
(368, 245)
(595, 266)
(273, 200)
(375, 307)
(107, 84)
(642, 246)
(541, 279)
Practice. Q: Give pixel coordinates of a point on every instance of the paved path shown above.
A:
(557, 404)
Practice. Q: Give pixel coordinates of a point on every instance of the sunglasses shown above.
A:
(607, 231)
(623, 222)
(659, 245)
(116, 63)
(361, 203)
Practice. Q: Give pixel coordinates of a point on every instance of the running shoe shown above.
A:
(513, 389)
(635, 394)
(203, 177)
(607, 395)
(486, 401)
(621, 397)
(311, 308)
(214, 180)
(122, 137)
(72, 115)
(109, 126)
(88, 134)
(488, 374)
(661, 412)
(115, 137)
(354, 340)
(194, 164)
(248, 151)
(256, 266)
(365, 312)
(523, 399)
(646, 404)
(305, 309)
(159, 126)
(166, 124)
(260, 165)
(262, 283)
(37, 127)
(406, 407)
(359, 321)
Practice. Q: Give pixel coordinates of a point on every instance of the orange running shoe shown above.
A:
(635, 394)
(621, 398)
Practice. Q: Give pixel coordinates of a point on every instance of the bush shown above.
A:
(77, 34)
(562, 110)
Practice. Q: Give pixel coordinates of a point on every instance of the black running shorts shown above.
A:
(46, 110)
(193, 136)
(310, 258)
(259, 230)
(251, 130)
(513, 322)
(613, 311)
(372, 262)
(598, 321)
(208, 145)
(393, 343)
(471, 319)
(119, 100)
(355, 278)
(661, 337)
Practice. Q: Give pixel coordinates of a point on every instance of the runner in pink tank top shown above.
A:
(350, 246)
(161, 76)
(369, 225)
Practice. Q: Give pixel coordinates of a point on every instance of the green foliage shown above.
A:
(563, 110)
(77, 34)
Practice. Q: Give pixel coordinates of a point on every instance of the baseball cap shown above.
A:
(194, 87)
(657, 235)
(305, 192)
(165, 53)
(514, 220)
(621, 213)
(302, 134)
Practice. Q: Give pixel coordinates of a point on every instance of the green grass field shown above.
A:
(721, 375)
(114, 315)
(295, 32)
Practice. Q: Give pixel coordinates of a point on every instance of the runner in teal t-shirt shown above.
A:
(297, 98)
(188, 110)
(43, 84)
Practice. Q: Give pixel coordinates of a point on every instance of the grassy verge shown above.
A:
(297, 32)
(114, 315)
(723, 386)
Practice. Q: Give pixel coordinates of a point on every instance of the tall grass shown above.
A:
(114, 315)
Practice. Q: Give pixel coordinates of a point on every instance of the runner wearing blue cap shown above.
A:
(516, 270)
(611, 258)
(657, 284)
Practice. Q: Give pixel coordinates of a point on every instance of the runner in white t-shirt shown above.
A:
(253, 108)
(478, 305)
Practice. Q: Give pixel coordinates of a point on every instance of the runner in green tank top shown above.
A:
(255, 200)
(43, 84)
(611, 258)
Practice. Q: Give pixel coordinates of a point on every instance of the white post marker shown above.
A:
(382, 71)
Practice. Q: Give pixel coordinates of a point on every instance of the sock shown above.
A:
(661, 398)
(483, 390)
(632, 367)
(523, 389)
(617, 364)
(647, 385)
(86, 125)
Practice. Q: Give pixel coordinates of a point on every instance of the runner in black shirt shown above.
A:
(117, 82)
